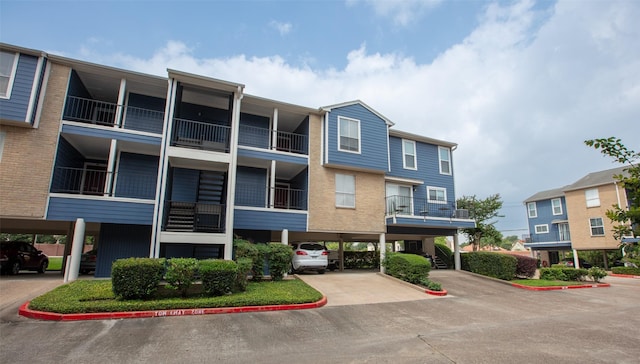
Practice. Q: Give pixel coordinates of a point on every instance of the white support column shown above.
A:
(231, 176)
(272, 185)
(456, 252)
(383, 250)
(120, 106)
(285, 237)
(576, 261)
(111, 167)
(71, 274)
(274, 133)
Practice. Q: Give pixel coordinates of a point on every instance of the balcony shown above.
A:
(194, 217)
(96, 181)
(263, 138)
(406, 206)
(200, 135)
(284, 197)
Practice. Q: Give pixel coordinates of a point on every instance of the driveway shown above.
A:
(16, 290)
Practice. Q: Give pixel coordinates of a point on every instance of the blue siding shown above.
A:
(111, 134)
(202, 113)
(137, 176)
(67, 156)
(15, 108)
(137, 119)
(269, 220)
(428, 168)
(289, 158)
(121, 241)
(373, 135)
(301, 182)
(251, 187)
(253, 137)
(76, 87)
(103, 211)
(184, 185)
(545, 217)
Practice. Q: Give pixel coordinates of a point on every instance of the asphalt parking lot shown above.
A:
(481, 321)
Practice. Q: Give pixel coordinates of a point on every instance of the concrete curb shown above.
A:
(418, 288)
(51, 316)
(556, 288)
(623, 275)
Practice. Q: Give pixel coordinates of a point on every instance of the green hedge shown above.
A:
(136, 277)
(408, 267)
(218, 276)
(626, 270)
(181, 273)
(526, 266)
(563, 274)
(495, 265)
(444, 253)
(255, 252)
(242, 279)
(279, 257)
(361, 259)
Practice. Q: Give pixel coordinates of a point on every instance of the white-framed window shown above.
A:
(532, 210)
(8, 66)
(399, 199)
(597, 226)
(409, 154)
(345, 190)
(444, 155)
(563, 232)
(542, 229)
(436, 194)
(592, 197)
(556, 206)
(348, 135)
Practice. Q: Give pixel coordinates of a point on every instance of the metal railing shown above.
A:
(141, 119)
(291, 142)
(90, 111)
(290, 198)
(194, 216)
(405, 205)
(252, 136)
(87, 181)
(199, 135)
(284, 198)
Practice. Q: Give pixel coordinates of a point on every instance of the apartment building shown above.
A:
(178, 166)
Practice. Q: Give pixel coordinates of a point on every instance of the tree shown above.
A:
(508, 241)
(627, 220)
(482, 211)
(491, 237)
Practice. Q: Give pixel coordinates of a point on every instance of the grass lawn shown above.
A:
(88, 296)
(55, 263)
(546, 283)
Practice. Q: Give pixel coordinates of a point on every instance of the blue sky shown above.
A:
(517, 84)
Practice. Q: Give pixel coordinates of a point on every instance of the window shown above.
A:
(556, 206)
(348, 135)
(445, 160)
(409, 154)
(345, 190)
(592, 197)
(563, 231)
(8, 65)
(542, 229)
(532, 210)
(436, 194)
(597, 227)
(399, 199)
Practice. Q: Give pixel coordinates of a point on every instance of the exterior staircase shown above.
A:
(181, 216)
(439, 263)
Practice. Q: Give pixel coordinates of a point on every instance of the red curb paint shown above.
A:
(52, 316)
(556, 288)
(624, 275)
(436, 293)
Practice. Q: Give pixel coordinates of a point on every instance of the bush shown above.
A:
(444, 253)
(181, 273)
(408, 267)
(242, 279)
(431, 285)
(255, 252)
(563, 274)
(136, 277)
(525, 266)
(495, 265)
(596, 273)
(361, 259)
(626, 270)
(218, 276)
(279, 256)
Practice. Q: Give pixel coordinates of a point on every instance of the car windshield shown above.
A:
(311, 247)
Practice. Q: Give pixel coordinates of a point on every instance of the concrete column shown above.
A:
(341, 254)
(111, 166)
(429, 246)
(285, 237)
(456, 252)
(76, 251)
(576, 261)
(383, 250)
(272, 185)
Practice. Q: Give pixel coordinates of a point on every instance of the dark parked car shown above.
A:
(19, 255)
(88, 261)
(583, 263)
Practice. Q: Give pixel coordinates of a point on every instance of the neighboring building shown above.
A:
(179, 166)
(574, 217)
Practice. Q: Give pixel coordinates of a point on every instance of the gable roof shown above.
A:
(596, 179)
(546, 195)
(358, 102)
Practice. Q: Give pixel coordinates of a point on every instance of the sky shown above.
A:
(519, 85)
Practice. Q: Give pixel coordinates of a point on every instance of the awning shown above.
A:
(559, 221)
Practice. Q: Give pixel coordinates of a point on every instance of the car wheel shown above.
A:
(15, 268)
(321, 271)
(43, 267)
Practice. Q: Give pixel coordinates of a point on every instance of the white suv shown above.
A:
(309, 256)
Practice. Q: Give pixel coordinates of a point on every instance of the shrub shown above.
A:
(408, 267)
(218, 276)
(279, 256)
(563, 274)
(495, 265)
(181, 273)
(626, 270)
(361, 259)
(136, 277)
(526, 266)
(242, 279)
(574, 274)
(431, 285)
(596, 273)
(444, 253)
(255, 252)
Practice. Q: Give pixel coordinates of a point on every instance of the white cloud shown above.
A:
(282, 28)
(402, 12)
(519, 94)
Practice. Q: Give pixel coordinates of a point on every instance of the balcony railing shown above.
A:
(284, 198)
(144, 120)
(194, 217)
(405, 205)
(199, 135)
(86, 181)
(261, 138)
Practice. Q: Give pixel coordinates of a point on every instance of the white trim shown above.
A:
(434, 188)
(111, 128)
(12, 76)
(2, 137)
(118, 120)
(593, 201)
(359, 151)
(101, 198)
(553, 209)
(415, 155)
(274, 129)
(232, 171)
(449, 161)
(535, 210)
(545, 226)
(271, 195)
(388, 153)
(404, 180)
(591, 227)
(266, 209)
(34, 90)
(272, 151)
(43, 94)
